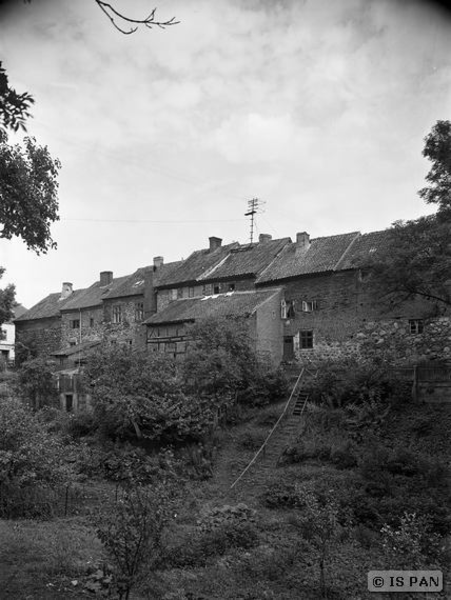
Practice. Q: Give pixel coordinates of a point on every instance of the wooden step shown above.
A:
(300, 403)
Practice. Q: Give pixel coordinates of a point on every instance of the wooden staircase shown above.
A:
(256, 473)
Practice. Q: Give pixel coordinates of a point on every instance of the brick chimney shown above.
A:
(66, 290)
(157, 262)
(264, 237)
(215, 243)
(302, 241)
(106, 277)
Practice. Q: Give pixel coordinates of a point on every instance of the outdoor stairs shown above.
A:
(253, 477)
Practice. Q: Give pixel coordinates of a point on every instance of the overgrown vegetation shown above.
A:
(364, 485)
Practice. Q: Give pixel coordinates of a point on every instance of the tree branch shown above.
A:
(149, 21)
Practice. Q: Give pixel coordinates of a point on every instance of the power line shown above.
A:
(154, 221)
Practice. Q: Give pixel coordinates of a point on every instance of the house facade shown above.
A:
(302, 300)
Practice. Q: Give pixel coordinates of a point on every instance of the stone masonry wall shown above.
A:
(349, 317)
(91, 326)
(130, 330)
(393, 337)
(42, 334)
(269, 329)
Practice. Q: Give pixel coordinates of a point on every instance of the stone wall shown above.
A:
(91, 326)
(343, 315)
(269, 328)
(130, 329)
(43, 335)
(393, 337)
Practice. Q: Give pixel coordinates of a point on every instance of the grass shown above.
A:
(39, 560)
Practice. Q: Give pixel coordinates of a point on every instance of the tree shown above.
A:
(28, 193)
(415, 262)
(138, 395)
(36, 383)
(14, 107)
(131, 533)
(7, 301)
(416, 259)
(438, 150)
(320, 528)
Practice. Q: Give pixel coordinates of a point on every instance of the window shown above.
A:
(91, 322)
(180, 293)
(416, 326)
(3, 334)
(117, 314)
(139, 311)
(287, 309)
(283, 309)
(191, 292)
(290, 309)
(306, 339)
(173, 294)
(216, 288)
(231, 287)
(75, 323)
(309, 306)
(206, 289)
(72, 344)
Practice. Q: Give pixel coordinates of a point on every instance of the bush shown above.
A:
(36, 384)
(280, 494)
(353, 380)
(219, 531)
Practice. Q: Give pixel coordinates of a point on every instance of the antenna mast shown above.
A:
(253, 207)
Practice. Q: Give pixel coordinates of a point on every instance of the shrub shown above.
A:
(280, 494)
(353, 380)
(219, 531)
(131, 532)
(36, 383)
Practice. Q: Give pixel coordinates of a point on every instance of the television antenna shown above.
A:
(254, 207)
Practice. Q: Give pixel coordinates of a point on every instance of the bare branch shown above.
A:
(148, 21)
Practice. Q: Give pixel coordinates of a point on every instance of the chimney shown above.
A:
(157, 262)
(106, 277)
(264, 237)
(215, 243)
(66, 290)
(302, 241)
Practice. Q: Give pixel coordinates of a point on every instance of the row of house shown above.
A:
(302, 298)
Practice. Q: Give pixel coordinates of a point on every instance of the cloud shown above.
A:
(255, 138)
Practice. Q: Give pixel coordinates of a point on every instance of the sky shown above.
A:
(318, 108)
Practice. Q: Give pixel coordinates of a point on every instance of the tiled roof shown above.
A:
(192, 268)
(19, 310)
(93, 295)
(131, 285)
(231, 304)
(48, 306)
(322, 255)
(363, 250)
(249, 259)
(134, 284)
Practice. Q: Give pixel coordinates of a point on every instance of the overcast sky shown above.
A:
(317, 107)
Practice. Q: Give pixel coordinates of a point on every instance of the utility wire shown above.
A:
(154, 221)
